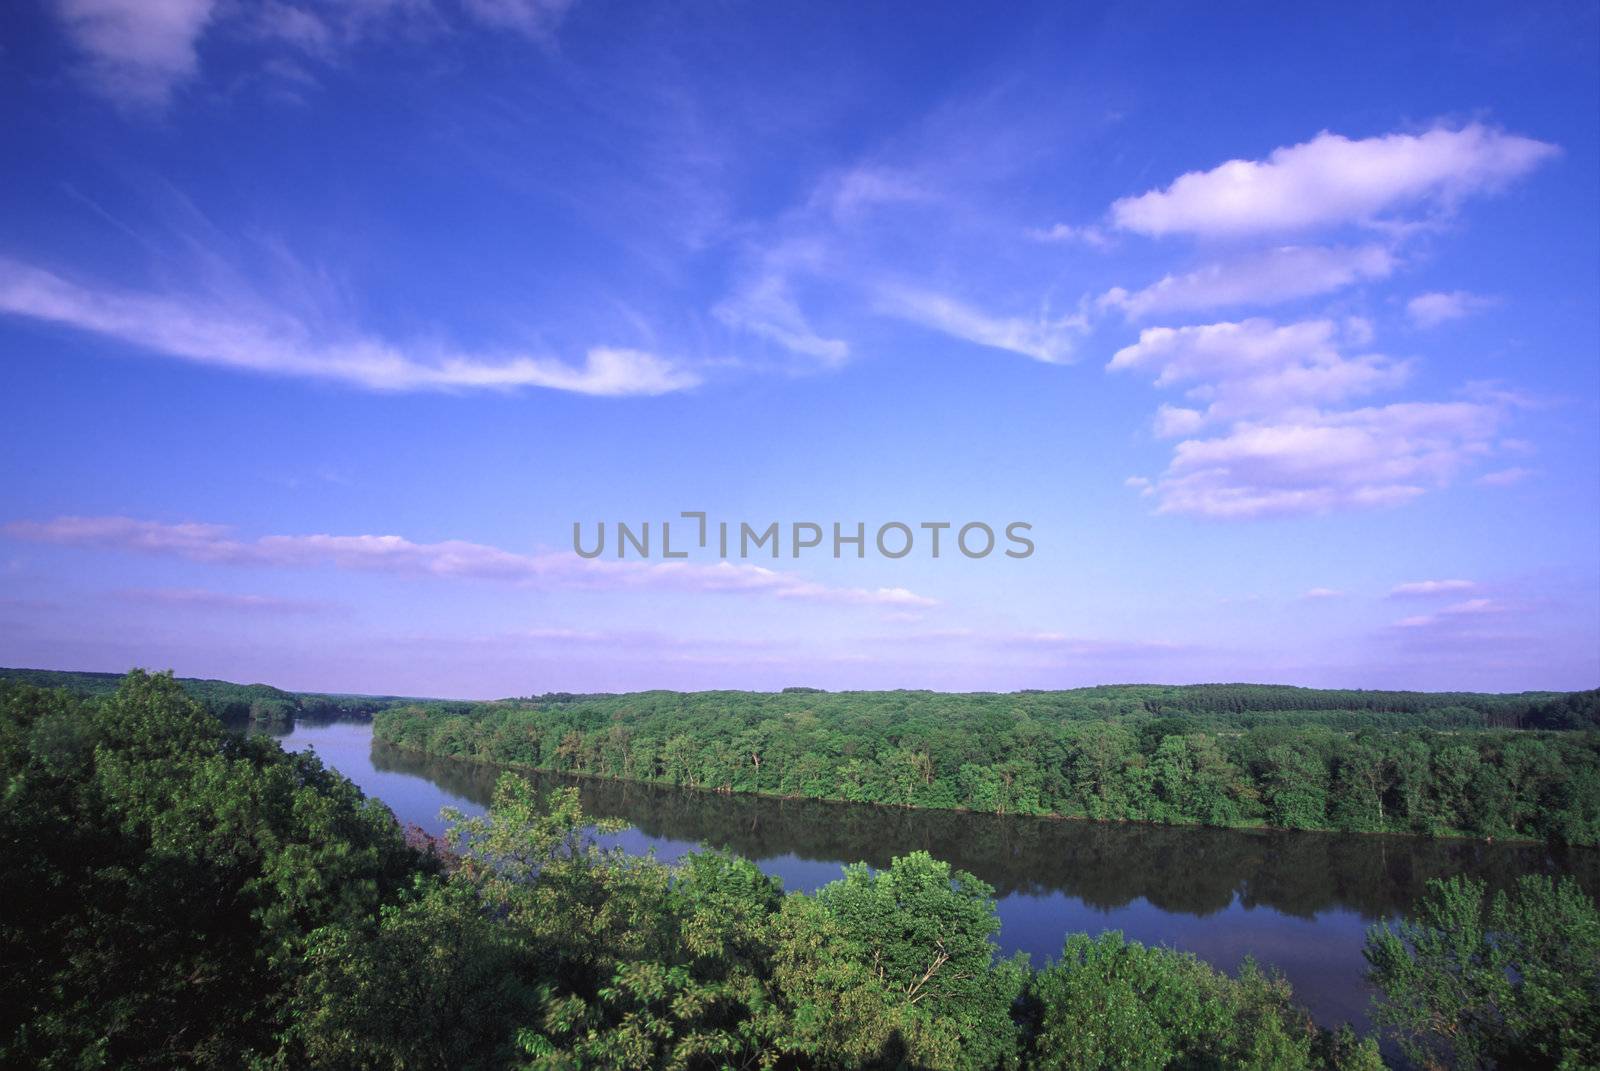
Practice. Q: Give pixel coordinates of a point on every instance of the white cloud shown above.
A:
(1505, 477)
(280, 345)
(1051, 340)
(1317, 462)
(1431, 310)
(214, 544)
(1427, 589)
(1333, 180)
(137, 51)
(769, 310)
(1254, 367)
(533, 18)
(1262, 278)
(1468, 609)
(203, 599)
(859, 188)
(1316, 594)
(1066, 233)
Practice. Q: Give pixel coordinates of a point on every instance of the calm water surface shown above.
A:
(1300, 902)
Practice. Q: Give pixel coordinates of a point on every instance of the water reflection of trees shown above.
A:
(1181, 869)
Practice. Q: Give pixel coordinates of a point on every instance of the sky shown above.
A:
(323, 324)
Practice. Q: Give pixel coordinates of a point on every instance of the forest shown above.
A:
(258, 706)
(1440, 764)
(181, 895)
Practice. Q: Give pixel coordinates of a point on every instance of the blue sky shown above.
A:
(320, 325)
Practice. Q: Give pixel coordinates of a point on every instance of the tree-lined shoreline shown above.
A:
(1441, 765)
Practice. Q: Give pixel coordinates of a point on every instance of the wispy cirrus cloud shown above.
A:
(138, 53)
(275, 343)
(135, 52)
(767, 308)
(214, 544)
(1333, 180)
(206, 599)
(1043, 337)
(536, 19)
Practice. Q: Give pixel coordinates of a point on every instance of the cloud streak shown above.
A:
(768, 309)
(276, 344)
(213, 544)
(1051, 340)
(1428, 589)
(1267, 277)
(204, 599)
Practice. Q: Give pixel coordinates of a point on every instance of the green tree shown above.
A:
(1512, 981)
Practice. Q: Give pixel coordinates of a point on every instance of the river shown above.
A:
(1300, 902)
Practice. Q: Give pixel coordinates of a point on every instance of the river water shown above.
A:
(1300, 902)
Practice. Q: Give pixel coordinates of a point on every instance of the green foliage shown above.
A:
(162, 877)
(1207, 755)
(1514, 982)
(433, 984)
(177, 895)
(910, 952)
(1116, 1003)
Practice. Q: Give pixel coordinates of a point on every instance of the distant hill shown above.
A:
(238, 705)
(1214, 706)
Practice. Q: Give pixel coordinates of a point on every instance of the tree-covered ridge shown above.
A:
(1209, 755)
(238, 705)
(1213, 705)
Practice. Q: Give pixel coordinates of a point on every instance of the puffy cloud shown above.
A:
(1431, 310)
(1042, 338)
(1427, 589)
(1333, 180)
(1316, 462)
(280, 345)
(1262, 278)
(450, 559)
(137, 51)
(1254, 367)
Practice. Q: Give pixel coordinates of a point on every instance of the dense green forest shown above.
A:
(260, 706)
(1499, 766)
(178, 895)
